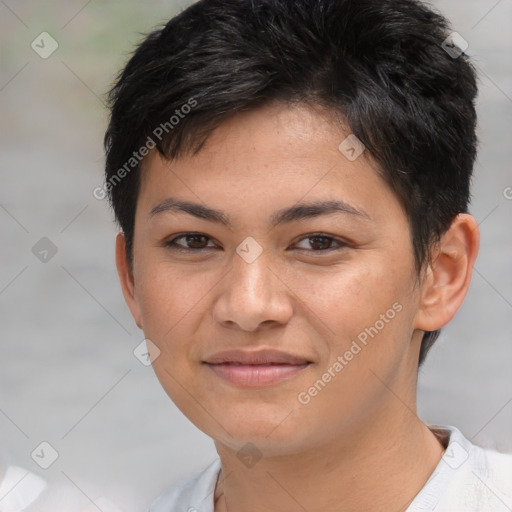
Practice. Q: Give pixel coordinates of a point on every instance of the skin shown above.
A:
(358, 445)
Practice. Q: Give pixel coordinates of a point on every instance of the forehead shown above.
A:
(272, 155)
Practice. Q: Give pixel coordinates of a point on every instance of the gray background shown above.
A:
(68, 375)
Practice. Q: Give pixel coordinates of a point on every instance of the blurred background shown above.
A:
(68, 373)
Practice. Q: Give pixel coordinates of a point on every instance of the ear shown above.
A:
(448, 277)
(126, 279)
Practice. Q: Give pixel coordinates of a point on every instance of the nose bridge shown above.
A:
(251, 273)
(252, 294)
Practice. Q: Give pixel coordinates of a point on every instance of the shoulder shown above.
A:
(191, 494)
(478, 479)
(491, 475)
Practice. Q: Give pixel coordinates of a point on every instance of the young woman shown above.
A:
(292, 184)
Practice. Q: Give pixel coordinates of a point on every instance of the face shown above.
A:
(329, 290)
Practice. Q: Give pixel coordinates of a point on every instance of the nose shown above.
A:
(252, 296)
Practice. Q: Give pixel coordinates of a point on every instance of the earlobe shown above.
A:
(126, 279)
(449, 275)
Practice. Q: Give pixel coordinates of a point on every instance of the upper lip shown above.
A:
(267, 356)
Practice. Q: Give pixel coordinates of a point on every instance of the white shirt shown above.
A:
(19, 489)
(24, 491)
(468, 478)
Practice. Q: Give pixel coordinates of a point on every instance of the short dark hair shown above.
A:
(381, 64)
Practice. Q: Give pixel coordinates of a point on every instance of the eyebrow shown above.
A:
(285, 215)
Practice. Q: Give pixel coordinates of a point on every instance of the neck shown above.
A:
(381, 466)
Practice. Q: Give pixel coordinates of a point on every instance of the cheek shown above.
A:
(165, 296)
(368, 316)
(363, 314)
(170, 305)
(344, 300)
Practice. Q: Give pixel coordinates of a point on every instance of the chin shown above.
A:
(268, 432)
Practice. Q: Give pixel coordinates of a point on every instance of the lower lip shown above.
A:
(256, 375)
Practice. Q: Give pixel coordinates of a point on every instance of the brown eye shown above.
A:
(321, 242)
(193, 241)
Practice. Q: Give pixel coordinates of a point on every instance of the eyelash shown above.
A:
(171, 244)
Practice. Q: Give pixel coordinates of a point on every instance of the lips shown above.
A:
(260, 357)
(256, 368)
